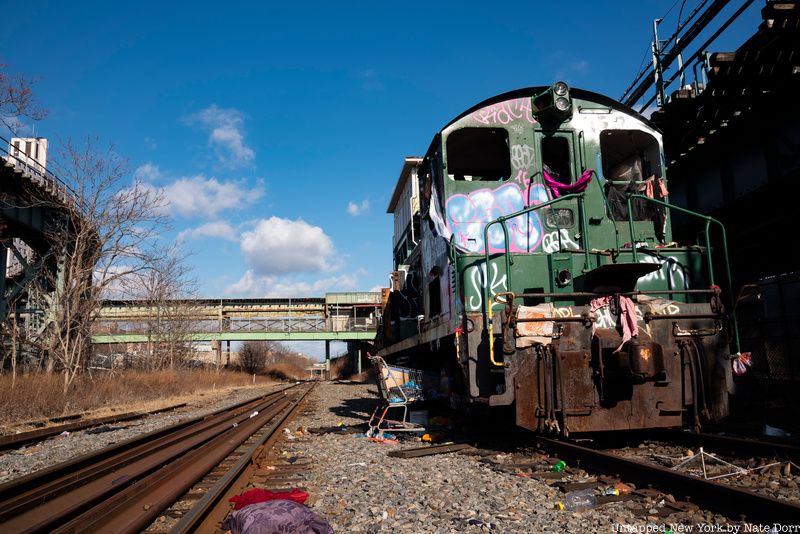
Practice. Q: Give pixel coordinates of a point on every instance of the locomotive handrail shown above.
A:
(509, 261)
(708, 220)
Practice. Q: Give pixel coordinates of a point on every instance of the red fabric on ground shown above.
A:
(261, 495)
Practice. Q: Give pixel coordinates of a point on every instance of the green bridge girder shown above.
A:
(245, 336)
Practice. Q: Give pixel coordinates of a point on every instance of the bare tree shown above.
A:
(253, 356)
(17, 100)
(109, 235)
(165, 287)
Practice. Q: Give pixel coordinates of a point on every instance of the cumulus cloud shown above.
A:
(226, 136)
(355, 209)
(280, 246)
(214, 229)
(253, 285)
(201, 196)
(147, 172)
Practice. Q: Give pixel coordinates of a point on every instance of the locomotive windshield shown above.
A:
(478, 154)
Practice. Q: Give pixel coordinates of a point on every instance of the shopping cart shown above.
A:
(398, 387)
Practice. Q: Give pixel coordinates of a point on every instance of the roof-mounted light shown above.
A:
(554, 103)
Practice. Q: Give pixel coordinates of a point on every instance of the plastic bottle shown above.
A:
(578, 500)
(559, 466)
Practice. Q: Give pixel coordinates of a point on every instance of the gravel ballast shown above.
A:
(357, 487)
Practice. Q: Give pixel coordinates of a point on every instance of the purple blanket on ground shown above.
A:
(276, 517)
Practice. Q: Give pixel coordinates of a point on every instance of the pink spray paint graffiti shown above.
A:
(505, 112)
(467, 216)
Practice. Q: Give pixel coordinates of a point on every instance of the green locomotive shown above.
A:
(535, 267)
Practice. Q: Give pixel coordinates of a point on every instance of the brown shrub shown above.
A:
(38, 396)
(286, 370)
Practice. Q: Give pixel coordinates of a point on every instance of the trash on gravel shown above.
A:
(64, 434)
(774, 432)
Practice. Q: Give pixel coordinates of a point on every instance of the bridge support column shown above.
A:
(328, 359)
(358, 359)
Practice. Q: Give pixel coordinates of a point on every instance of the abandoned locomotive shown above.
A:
(535, 268)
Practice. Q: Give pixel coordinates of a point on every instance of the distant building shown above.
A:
(28, 154)
(404, 204)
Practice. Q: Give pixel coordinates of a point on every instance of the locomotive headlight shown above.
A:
(562, 104)
(560, 88)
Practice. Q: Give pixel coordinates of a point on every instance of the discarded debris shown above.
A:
(429, 451)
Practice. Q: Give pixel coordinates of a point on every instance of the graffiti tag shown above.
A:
(550, 242)
(505, 112)
(477, 277)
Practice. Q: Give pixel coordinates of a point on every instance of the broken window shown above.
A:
(632, 164)
(556, 158)
(478, 154)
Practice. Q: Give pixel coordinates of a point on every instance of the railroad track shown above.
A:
(123, 488)
(734, 502)
(11, 441)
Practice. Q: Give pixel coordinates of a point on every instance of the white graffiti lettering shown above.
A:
(671, 270)
(522, 156)
(550, 242)
(477, 277)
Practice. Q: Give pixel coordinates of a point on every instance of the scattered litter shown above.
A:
(287, 431)
(434, 437)
(428, 451)
(257, 495)
(622, 488)
(480, 523)
(362, 464)
(741, 363)
(103, 429)
(253, 414)
(559, 466)
(578, 500)
(384, 440)
(235, 425)
(64, 434)
(774, 432)
(705, 456)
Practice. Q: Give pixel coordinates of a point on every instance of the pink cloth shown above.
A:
(257, 495)
(557, 187)
(627, 310)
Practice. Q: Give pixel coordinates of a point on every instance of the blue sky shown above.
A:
(277, 132)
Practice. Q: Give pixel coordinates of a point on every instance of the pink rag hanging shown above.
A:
(627, 311)
(662, 187)
(558, 188)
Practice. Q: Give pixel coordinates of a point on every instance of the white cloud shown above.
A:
(281, 246)
(147, 172)
(201, 196)
(355, 209)
(218, 229)
(253, 285)
(150, 142)
(225, 134)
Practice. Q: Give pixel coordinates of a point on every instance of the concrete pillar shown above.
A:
(328, 359)
(358, 360)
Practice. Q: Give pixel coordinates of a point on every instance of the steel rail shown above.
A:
(130, 510)
(54, 490)
(11, 441)
(212, 508)
(733, 502)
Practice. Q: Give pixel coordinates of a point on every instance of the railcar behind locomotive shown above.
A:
(535, 268)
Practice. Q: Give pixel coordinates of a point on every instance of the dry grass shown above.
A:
(40, 396)
(286, 370)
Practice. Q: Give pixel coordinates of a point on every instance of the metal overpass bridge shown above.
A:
(345, 317)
